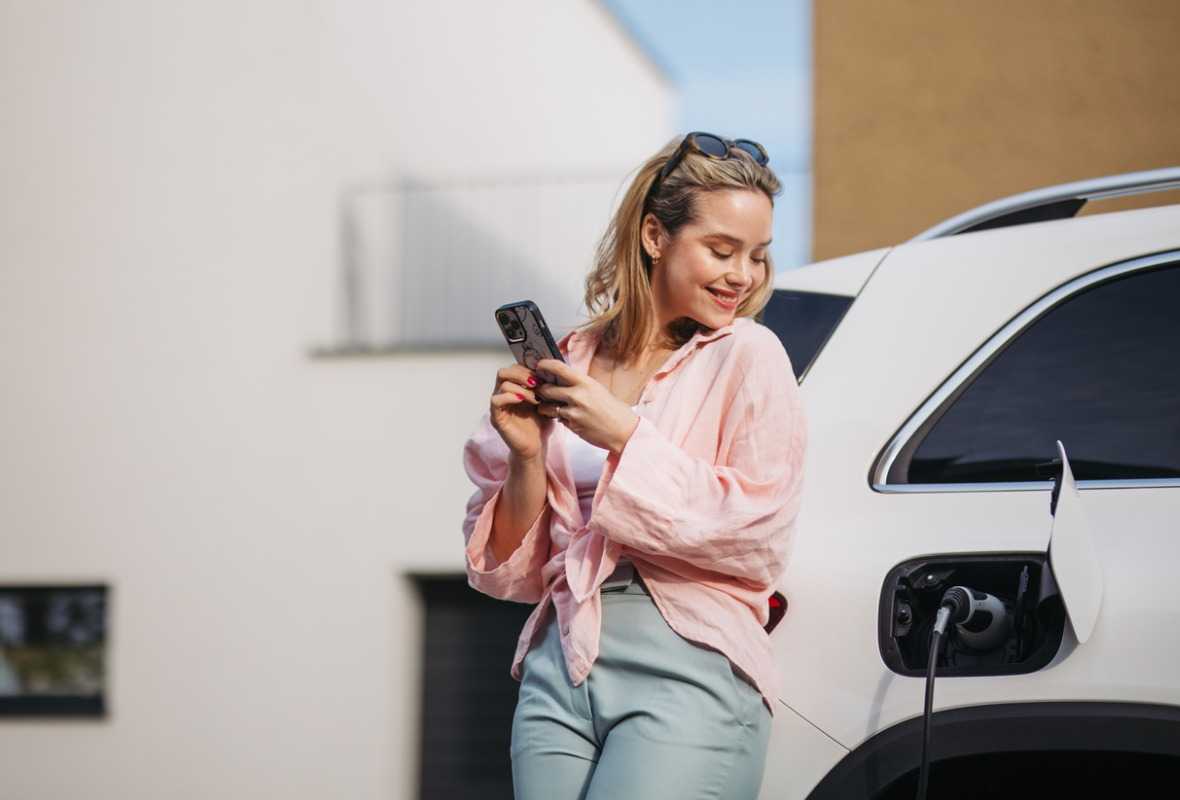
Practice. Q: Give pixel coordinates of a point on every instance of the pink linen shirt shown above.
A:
(702, 499)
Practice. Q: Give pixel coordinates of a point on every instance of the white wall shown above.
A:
(168, 183)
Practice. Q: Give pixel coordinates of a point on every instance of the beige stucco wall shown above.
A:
(925, 109)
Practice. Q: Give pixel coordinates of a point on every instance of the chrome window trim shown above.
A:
(1131, 183)
(1025, 486)
(978, 360)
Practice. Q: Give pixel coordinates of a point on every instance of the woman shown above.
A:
(646, 501)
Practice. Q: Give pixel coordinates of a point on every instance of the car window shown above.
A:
(1097, 371)
(803, 322)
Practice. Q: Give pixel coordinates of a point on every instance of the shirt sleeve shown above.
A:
(735, 518)
(485, 460)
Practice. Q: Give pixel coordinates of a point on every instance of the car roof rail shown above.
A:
(1053, 202)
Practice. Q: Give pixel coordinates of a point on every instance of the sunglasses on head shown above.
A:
(713, 146)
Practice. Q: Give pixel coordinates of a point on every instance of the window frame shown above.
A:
(911, 434)
(448, 606)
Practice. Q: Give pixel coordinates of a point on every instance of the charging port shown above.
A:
(1022, 582)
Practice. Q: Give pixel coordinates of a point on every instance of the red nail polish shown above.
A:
(532, 381)
(518, 394)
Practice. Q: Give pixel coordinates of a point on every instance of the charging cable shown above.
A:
(983, 622)
(940, 623)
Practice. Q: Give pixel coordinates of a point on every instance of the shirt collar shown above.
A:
(579, 346)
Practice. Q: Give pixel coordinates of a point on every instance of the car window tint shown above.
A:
(1097, 371)
(803, 322)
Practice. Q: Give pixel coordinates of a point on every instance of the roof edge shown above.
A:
(626, 26)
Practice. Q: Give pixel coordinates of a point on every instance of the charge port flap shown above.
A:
(1072, 556)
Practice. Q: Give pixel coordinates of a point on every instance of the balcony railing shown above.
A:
(423, 265)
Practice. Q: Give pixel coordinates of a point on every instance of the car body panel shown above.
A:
(924, 310)
(799, 756)
(845, 275)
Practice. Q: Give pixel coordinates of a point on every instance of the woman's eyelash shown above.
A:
(727, 255)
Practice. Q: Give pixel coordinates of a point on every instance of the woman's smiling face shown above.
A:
(712, 264)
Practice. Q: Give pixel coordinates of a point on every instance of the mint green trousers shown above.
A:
(658, 717)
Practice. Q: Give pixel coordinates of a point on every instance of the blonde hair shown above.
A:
(618, 288)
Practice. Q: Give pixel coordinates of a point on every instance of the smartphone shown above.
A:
(528, 336)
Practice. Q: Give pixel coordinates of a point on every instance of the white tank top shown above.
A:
(586, 461)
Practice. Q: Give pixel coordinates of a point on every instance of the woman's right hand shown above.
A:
(514, 411)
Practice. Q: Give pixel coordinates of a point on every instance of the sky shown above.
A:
(743, 70)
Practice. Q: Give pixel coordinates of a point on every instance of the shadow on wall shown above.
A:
(424, 266)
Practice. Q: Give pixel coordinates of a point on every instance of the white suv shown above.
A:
(953, 383)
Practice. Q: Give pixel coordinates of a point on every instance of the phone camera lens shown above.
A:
(511, 326)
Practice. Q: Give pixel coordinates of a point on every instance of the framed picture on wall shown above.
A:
(53, 650)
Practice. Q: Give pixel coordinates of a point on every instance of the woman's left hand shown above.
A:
(590, 410)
